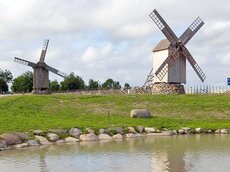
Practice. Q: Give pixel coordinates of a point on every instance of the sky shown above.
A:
(101, 39)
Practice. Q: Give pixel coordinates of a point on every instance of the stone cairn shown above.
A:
(166, 88)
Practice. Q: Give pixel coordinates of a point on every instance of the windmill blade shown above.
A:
(163, 26)
(24, 62)
(44, 49)
(163, 69)
(194, 64)
(191, 31)
(58, 72)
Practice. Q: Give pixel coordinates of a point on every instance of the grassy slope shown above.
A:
(24, 113)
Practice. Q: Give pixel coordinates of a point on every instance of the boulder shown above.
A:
(38, 132)
(58, 131)
(181, 131)
(2, 144)
(90, 130)
(199, 130)
(150, 130)
(89, 137)
(104, 137)
(42, 140)
(116, 130)
(117, 136)
(71, 139)
(75, 132)
(52, 137)
(217, 131)
(140, 129)
(186, 130)
(23, 136)
(131, 130)
(140, 113)
(10, 138)
(33, 143)
(224, 131)
(103, 131)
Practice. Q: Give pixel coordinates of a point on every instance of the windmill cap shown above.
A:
(162, 45)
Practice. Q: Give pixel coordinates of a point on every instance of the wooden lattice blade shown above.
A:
(163, 26)
(24, 62)
(191, 31)
(58, 72)
(44, 49)
(194, 64)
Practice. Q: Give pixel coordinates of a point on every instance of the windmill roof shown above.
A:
(162, 45)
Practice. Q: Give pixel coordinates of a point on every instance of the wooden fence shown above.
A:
(207, 89)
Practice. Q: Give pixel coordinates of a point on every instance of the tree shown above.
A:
(111, 84)
(6, 75)
(127, 86)
(54, 86)
(23, 83)
(94, 85)
(3, 86)
(72, 82)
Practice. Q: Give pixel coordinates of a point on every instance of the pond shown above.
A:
(209, 153)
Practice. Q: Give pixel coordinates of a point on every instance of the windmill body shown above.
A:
(170, 55)
(41, 71)
(177, 71)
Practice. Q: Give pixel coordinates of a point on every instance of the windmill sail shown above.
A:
(44, 49)
(24, 62)
(58, 72)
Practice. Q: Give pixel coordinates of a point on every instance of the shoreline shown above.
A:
(17, 140)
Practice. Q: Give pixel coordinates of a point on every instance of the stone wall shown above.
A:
(165, 88)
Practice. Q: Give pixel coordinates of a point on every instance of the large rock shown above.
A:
(42, 140)
(52, 137)
(58, 131)
(224, 131)
(103, 131)
(131, 130)
(140, 113)
(3, 143)
(116, 130)
(10, 138)
(33, 143)
(90, 130)
(104, 137)
(140, 129)
(23, 136)
(71, 139)
(75, 132)
(39, 132)
(118, 136)
(89, 137)
(150, 130)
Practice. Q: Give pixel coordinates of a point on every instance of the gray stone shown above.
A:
(224, 131)
(103, 131)
(217, 131)
(90, 130)
(117, 136)
(38, 132)
(71, 139)
(52, 137)
(2, 144)
(209, 131)
(150, 130)
(22, 145)
(164, 133)
(181, 131)
(116, 130)
(23, 136)
(140, 113)
(131, 130)
(58, 131)
(75, 132)
(33, 143)
(104, 137)
(199, 130)
(186, 130)
(42, 140)
(130, 135)
(62, 141)
(11, 139)
(89, 137)
(140, 129)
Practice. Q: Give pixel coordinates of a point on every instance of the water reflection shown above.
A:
(148, 154)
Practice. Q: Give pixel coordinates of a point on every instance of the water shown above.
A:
(198, 153)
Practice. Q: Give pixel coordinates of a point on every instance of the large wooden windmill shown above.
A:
(169, 63)
(41, 70)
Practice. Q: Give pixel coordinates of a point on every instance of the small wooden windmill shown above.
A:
(169, 63)
(41, 70)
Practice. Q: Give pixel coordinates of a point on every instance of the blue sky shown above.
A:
(103, 39)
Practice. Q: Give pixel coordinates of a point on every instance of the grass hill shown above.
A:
(28, 112)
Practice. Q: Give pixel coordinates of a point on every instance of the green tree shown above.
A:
(111, 84)
(6, 75)
(3, 86)
(94, 85)
(54, 86)
(127, 86)
(23, 83)
(72, 82)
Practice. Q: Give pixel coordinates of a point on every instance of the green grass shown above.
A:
(28, 112)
